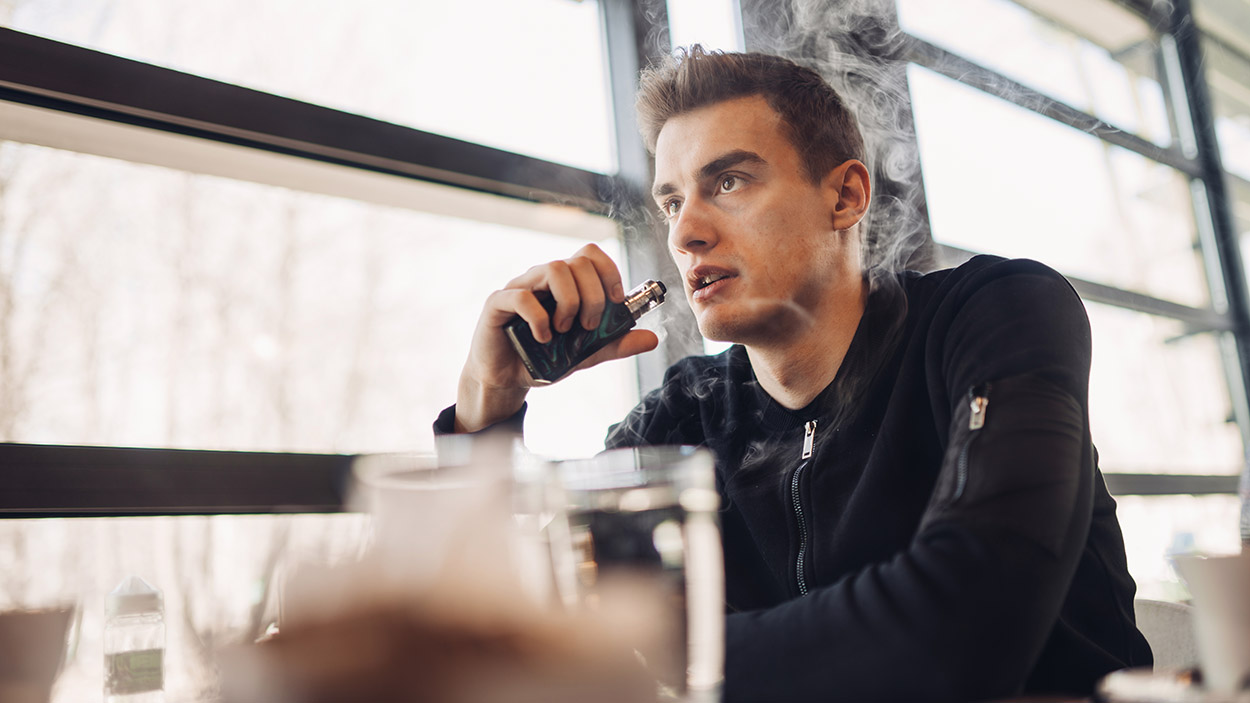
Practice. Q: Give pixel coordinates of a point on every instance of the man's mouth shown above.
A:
(705, 281)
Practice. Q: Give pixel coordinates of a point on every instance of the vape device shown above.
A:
(548, 362)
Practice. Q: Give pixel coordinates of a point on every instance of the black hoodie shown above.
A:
(950, 537)
(933, 526)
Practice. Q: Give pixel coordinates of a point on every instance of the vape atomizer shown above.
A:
(548, 362)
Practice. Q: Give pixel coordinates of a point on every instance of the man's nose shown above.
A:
(693, 229)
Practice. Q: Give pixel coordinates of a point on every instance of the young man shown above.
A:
(912, 509)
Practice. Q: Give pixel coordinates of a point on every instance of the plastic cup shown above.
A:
(1220, 586)
(35, 644)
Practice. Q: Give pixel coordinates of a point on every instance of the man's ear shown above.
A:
(849, 191)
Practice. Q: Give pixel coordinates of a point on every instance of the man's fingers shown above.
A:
(580, 285)
(609, 274)
(633, 343)
(502, 305)
(564, 289)
(590, 289)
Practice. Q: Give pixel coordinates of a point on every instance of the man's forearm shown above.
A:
(479, 406)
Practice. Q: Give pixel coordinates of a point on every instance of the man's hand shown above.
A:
(494, 381)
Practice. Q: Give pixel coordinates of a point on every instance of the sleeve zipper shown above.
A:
(809, 440)
(978, 402)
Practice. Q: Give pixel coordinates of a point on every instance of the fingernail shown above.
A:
(618, 292)
(594, 322)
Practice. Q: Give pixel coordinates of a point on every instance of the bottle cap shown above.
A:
(132, 597)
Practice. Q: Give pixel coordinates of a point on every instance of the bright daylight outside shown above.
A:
(151, 306)
(1159, 399)
(144, 304)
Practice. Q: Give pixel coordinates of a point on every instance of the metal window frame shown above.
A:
(46, 73)
(77, 481)
(46, 481)
(636, 35)
(1206, 174)
(43, 481)
(1202, 168)
(955, 67)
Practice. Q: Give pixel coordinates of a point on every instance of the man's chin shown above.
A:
(719, 330)
(763, 326)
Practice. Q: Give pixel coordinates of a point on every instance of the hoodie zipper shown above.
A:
(809, 440)
(978, 402)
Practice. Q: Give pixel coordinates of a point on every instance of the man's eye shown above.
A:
(670, 208)
(728, 184)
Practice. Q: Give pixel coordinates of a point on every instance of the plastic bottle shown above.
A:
(134, 643)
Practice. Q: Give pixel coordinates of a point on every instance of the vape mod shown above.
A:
(548, 362)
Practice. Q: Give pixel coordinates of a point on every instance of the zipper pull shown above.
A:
(978, 402)
(809, 438)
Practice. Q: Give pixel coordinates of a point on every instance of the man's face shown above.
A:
(749, 231)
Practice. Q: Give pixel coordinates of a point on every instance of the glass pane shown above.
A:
(1159, 400)
(1003, 180)
(155, 307)
(527, 77)
(1239, 192)
(1094, 56)
(220, 577)
(716, 24)
(1157, 526)
(1228, 74)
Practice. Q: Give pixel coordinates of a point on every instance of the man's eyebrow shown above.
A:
(713, 167)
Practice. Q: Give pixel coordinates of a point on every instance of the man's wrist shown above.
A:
(479, 407)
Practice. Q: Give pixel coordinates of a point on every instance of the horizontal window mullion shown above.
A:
(1148, 10)
(47, 73)
(1170, 484)
(81, 481)
(934, 58)
(1195, 319)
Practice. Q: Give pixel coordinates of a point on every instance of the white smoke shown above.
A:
(857, 46)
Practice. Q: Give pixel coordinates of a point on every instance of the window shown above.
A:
(1004, 180)
(716, 24)
(376, 59)
(167, 282)
(1064, 133)
(1096, 57)
(1226, 47)
(220, 577)
(156, 307)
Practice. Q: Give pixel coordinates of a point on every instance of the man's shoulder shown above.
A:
(978, 272)
(984, 266)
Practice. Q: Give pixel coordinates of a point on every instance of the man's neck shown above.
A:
(793, 372)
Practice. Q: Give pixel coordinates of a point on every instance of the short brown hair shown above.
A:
(821, 127)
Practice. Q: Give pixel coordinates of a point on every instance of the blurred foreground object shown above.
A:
(393, 653)
(649, 515)
(1220, 586)
(34, 645)
(452, 603)
(134, 643)
(1146, 686)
